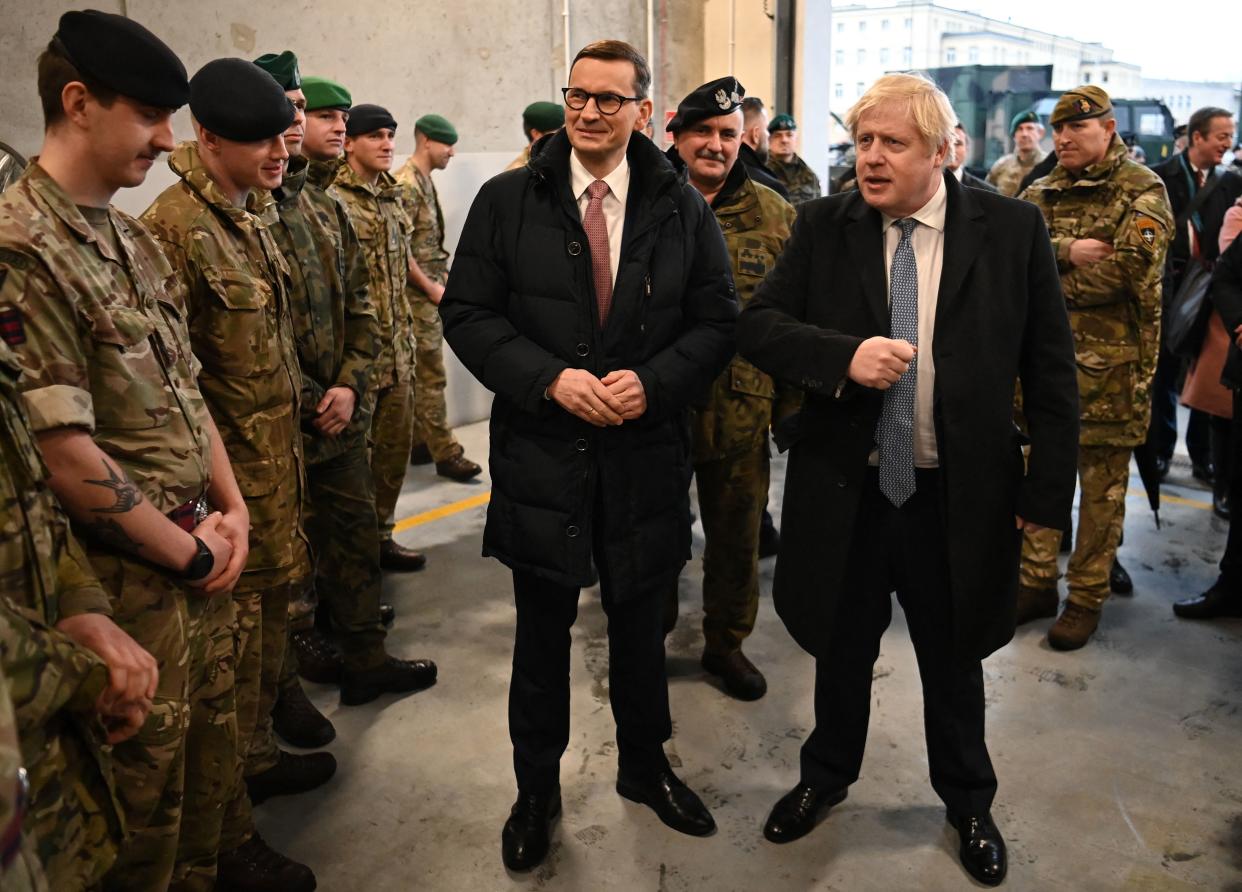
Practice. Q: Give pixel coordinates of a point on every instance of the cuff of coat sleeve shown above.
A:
(651, 387)
(94, 681)
(1062, 246)
(86, 599)
(59, 405)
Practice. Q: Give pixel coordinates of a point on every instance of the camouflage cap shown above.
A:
(323, 93)
(283, 67)
(722, 96)
(1080, 104)
(1023, 117)
(438, 128)
(782, 122)
(543, 116)
(124, 56)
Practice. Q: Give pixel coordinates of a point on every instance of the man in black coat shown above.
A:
(908, 473)
(753, 153)
(591, 292)
(1210, 132)
(956, 163)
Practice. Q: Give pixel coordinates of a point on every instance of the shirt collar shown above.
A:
(580, 178)
(930, 214)
(959, 173)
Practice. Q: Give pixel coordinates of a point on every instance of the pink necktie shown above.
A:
(597, 236)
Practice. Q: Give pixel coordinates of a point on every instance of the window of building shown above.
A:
(906, 55)
(884, 24)
(1104, 76)
(907, 23)
(862, 25)
(1086, 77)
(840, 27)
(839, 57)
(838, 91)
(884, 56)
(950, 55)
(858, 88)
(862, 57)
(973, 54)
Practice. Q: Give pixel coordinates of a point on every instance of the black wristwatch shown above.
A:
(201, 564)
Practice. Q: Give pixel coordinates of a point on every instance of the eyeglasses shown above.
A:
(607, 103)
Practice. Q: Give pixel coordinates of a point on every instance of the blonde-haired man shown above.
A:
(907, 311)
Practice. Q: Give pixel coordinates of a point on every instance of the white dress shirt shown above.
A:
(613, 204)
(927, 241)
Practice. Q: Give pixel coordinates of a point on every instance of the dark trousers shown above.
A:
(1163, 431)
(902, 549)
(1231, 562)
(539, 689)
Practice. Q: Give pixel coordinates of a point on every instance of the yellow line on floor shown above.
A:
(443, 511)
(1137, 492)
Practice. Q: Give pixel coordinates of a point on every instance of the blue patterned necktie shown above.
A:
(895, 432)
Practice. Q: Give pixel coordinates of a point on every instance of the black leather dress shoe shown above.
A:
(797, 812)
(524, 840)
(1215, 602)
(982, 850)
(673, 802)
(399, 559)
(1205, 473)
(388, 613)
(1220, 506)
(393, 676)
(769, 536)
(740, 676)
(1119, 582)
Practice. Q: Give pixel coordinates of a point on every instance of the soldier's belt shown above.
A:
(11, 835)
(191, 514)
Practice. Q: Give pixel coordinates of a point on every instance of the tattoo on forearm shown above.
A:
(127, 495)
(111, 534)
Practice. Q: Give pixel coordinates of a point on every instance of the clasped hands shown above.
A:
(603, 402)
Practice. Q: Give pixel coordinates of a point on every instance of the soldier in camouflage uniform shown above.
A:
(787, 165)
(375, 205)
(336, 329)
(1010, 170)
(538, 119)
(97, 320)
(1109, 220)
(433, 440)
(220, 243)
(729, 432)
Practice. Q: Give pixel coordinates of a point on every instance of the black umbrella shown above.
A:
(1149, 473)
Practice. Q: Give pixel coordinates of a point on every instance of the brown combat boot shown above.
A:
(459, 468)
(1073, 627)
(1036, 603)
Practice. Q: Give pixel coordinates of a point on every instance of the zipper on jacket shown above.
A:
(642, 317)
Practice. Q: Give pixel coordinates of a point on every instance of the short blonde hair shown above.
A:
(930, 109)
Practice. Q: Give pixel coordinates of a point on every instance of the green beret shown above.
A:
(367, 118)
(1023, 117)
(543, 116)
(782, 122)
(323, 93)
(1081, 103)
(283, 67)
(437, 128)
(722, 96)
(240, 101)
(123, 56)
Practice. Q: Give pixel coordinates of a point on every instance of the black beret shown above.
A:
(368, 118)
(718, 97)
(240, 101)
(123, 56)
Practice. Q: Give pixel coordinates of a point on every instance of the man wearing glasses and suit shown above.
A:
(591, 292)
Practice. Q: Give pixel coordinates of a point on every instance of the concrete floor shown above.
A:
(1118, 764)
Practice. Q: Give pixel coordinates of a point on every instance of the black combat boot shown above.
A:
(294, 773)
(255, 867)
(393, 676)
(297, 720)
(318, 659)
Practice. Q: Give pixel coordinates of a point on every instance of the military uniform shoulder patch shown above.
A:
(1148, 229)
(11, 329)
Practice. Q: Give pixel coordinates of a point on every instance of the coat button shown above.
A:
(842, 482)
(571, 531)
(580, 444)
(574, 249)
(583, 350)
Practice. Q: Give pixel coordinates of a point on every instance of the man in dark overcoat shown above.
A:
(591, 292)
(906, 311)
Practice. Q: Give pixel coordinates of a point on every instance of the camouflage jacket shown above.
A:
(53, 682)
(521, 160)
(799, 179)
(1009, 171)
(242, 332)
(333, 319)
(102, 339)
(756, 223)
(422, 206)
(1114, 305)
(385, 231)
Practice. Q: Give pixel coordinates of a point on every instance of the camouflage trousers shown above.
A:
(732, 494)
(344, 537)
(24, 873)
(430, 412)
(1103, 474)
(261, 635)
(175, 775)
(391, 430)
